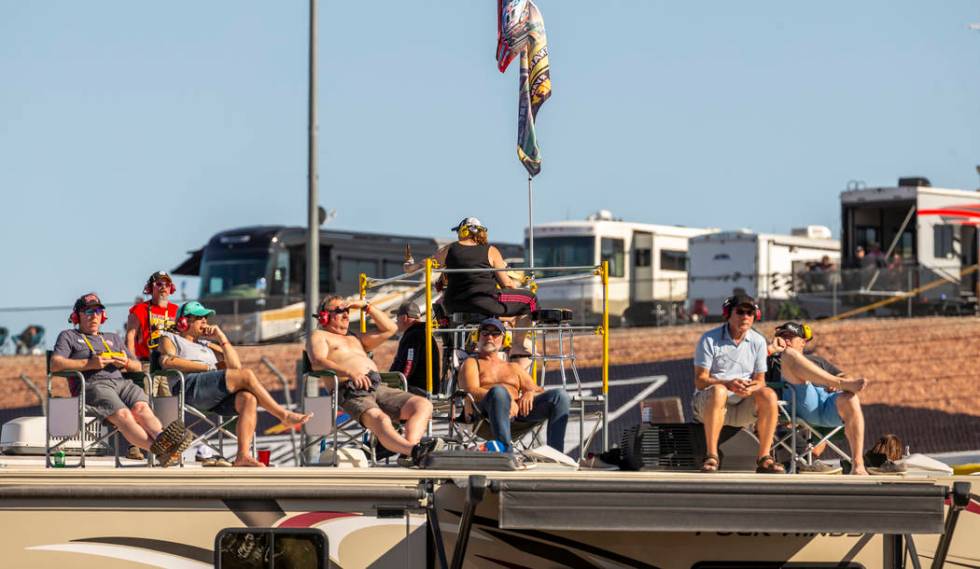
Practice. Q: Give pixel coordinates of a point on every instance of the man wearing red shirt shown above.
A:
(146, 321)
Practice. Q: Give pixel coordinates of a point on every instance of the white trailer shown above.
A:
(933, 230)
(647, 266)
(761, 265)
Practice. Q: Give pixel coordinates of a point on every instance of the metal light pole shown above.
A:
(313, 217)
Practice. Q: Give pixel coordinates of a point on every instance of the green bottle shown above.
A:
(59, 459)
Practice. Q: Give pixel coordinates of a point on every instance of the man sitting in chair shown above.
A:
(504, 391)
(729, 377)
(214, 379)
(361, 391)
(825, 396)
(102, 358)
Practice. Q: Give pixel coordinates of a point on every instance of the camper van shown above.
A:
(647, 266)
(255, 277)
(762, 265)
(933, 231)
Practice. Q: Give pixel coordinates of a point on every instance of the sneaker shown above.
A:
(888, 467)
(818, 467)
(135, 453)
(426, 447)
(405, 462)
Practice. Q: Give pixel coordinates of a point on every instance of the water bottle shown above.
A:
(59, 459)
(492, 446)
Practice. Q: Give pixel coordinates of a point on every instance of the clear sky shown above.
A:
(132, 131)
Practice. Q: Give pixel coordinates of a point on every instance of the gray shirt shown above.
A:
(197, 351)
(72, 344)
(726, 360)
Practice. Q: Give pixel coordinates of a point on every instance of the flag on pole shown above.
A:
(520, 31)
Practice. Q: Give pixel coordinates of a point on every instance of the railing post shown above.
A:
(362, 285)
(428, 325)
(604, 274)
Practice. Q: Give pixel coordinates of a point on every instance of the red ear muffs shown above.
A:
(726, 309)
(148, 289)
(73, 318)
(323, 318)
(182, 324)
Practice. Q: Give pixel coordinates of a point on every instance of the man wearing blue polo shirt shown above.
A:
(729, 377)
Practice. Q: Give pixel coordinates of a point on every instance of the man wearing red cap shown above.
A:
(102, 358)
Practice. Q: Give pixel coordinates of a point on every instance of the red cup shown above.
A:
(264, 455)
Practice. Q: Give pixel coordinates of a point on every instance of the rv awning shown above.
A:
(192, 266)
(732, 506)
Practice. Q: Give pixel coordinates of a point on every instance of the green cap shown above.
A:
(195, 308)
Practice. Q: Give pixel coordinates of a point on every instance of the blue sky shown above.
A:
(130, 132)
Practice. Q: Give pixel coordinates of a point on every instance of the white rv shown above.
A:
(761, 265)
(647, 266)
(933, 230)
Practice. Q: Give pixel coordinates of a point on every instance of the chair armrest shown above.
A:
(394, 379)
(318, 375)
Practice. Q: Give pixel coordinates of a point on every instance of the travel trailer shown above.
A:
(933, 231)
(762, 265)
(648, 266)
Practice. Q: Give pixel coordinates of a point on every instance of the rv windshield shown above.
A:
(576, 251)
(235, 273)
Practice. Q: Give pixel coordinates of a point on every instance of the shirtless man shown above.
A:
(362, 394)
(503, 391)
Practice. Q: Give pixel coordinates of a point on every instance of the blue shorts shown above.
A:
(208, 391)
(814, 404)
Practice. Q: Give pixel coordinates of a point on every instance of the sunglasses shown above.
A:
(93, 311)
(745, 312)
(338, 311)
(490, 332)
(161, 284)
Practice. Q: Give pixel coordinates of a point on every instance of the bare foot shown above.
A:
(853, 385)
(291, 419)
(247, 461)
(858, 470)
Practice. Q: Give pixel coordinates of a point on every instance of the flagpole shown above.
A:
(530, 223)
(313, 199)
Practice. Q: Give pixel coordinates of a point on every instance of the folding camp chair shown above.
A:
(787, 442)
(174, 408)
(66, 420)
(469, 430)
(324, 404)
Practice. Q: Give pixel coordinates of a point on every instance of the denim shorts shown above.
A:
(208, 391)
(815, 405)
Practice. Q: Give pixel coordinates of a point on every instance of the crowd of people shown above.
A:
(733, 364)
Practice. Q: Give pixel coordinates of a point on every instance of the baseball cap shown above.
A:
(740, 299)
(495, 323)
(409, 309)
(87, 301)
(160, 275)
(469, 222)
(796, 328)
(195, 308)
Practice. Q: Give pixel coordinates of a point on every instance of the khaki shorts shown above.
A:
(388, 399)
(738, 412)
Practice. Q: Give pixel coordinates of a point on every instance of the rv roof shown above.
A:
(902, 193)
(581, 227)
(746, 235)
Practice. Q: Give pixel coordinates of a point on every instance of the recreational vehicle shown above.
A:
(255, 277)
(762, 265)
(932, 232)
(647, 266)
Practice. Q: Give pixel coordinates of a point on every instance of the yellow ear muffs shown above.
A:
(807, 332)
(464, 232)
(508, 339)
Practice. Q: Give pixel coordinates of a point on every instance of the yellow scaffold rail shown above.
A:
(428, 324)
(604, 274)
(363, 284)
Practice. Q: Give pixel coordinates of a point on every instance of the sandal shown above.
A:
(711, 463)
(768, 465)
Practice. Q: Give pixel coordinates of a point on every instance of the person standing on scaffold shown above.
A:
(478, 292)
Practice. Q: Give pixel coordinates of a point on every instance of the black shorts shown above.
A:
(507, 302)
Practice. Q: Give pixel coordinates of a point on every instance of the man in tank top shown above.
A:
(214, 379)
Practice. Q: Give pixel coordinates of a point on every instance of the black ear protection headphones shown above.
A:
(729, 305)
(182, 323)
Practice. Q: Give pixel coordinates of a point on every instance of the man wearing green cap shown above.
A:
(214, 379)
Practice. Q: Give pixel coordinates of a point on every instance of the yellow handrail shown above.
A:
(362, 283)
(604, 274)
(428, 324)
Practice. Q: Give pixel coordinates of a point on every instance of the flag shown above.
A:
(520, 31)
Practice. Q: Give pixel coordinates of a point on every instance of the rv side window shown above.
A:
(673, 260)
(351, 269)
(612, 251)
(942, 241)
(270, 548)
(641, 257)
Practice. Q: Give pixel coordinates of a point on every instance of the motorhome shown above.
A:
(762, 265)
(648, 266)
(932, 231)
(255, 277)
